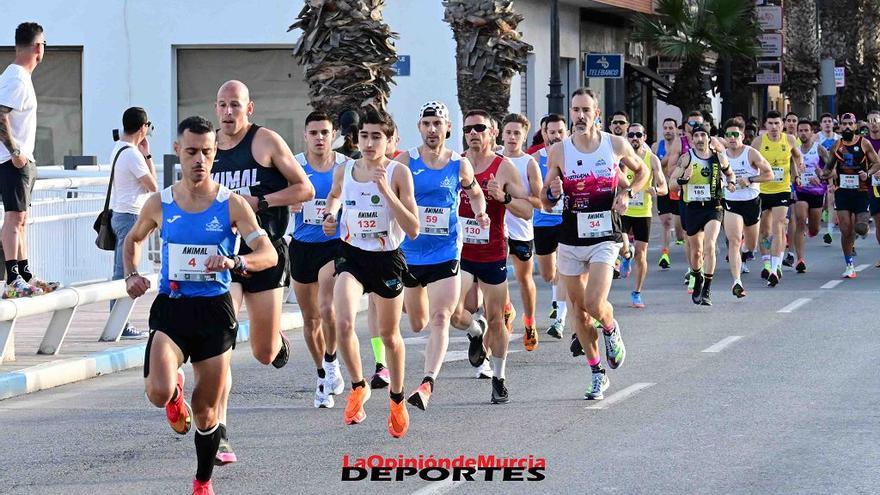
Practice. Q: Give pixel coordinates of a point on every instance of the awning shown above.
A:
(648, 77)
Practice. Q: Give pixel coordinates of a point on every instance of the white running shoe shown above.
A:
(485, 370)
(850, 272)
(322, 400)
(333, 381)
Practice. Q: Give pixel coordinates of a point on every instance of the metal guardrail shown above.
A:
(63, 304)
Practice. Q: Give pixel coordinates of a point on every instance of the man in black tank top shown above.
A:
(256, 163)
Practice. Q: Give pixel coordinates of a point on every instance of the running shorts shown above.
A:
(379, 272)
(274, 277)
(640, 227)
(749, 210)
(307, 258)
(422, 275)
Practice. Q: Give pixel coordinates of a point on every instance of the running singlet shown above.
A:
(778, 154)
(641, 202)
(812, 168)
(540, 217)
(188, 239)
(367, 222)
(520, 229)
(851, 159)
(307, 223)
(828, 142)
(590, 185)
(237, 169)
(482, 245)
(705, 182)
(661, 154)
(741, 166)
(437, 193)
(875, 183)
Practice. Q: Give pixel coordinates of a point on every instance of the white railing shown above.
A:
(63, 304)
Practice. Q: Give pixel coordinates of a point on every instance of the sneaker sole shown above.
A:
(377, 383)
(416, 400)
(225, 458)
(187, 424)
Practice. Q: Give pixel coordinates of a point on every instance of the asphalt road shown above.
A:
(787, 403)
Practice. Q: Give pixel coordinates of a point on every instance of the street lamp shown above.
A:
(555, 98)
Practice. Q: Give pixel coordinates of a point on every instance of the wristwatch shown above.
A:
(262, 204)
(148, 157)
(16, 153)
(132, 274)
(507, 198)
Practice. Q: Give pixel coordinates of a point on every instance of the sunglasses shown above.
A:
(694, 123)
(476, 127)
(618, 122)
(634, 135)
(732, 134)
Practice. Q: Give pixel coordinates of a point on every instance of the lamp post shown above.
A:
(555, 98)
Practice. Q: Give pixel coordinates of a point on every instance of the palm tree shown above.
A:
(347, 52)
(801, 60)
(697, 32)
(489, 51)
(849, 36)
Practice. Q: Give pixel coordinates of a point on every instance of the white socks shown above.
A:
(498, 365)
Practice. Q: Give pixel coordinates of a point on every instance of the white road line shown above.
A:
(721, 344)
(622, 395)
(861, 267)
(831, 284)
(438, 488)
(795, 305)
(463, 355)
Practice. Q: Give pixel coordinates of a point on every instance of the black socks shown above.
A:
(207, 443)
(24, 270)
(11, 271)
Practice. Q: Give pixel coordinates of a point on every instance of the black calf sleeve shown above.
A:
(207, 443)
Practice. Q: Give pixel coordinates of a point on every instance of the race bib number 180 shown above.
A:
(186, 262)
(594, 224)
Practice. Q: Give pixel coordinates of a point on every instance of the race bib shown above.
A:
(778, 174)
(313, 211)
(809, 175)
(186, 262)
(638, 199)
(699, 192)
(368, 224)
(875, 181)
(594, 224)
(472, 232)
(433, 220)
(849, 181)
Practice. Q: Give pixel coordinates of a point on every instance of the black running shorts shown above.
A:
(422, 275)
(640, 227)
(523, 250)
(775, 199)
(749, 210)
(666, 205)
(307, 258)
(275, 277)
(379, 272)
(17, 185)
(546, 240)
(851, 200)
(697, 217)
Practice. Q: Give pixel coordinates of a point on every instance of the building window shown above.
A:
(58, 84)
(275, 81)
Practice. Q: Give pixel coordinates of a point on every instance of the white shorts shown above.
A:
(575, 260)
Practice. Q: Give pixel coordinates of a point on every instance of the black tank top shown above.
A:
(237, 169)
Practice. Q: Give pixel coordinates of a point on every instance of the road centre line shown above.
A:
(621, 395)
(831, 284)
(718, 346)
(797, 303)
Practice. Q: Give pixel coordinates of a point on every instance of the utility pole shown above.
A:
(555, 98)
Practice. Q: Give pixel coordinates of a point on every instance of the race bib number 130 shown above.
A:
(473, 233)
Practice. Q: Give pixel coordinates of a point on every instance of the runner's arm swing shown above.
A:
(474, 191)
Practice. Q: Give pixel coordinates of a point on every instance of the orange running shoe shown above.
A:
(398, 419)
(509, 317)
(530, 339)
(421, 396)
(354, 409)
(178, 412)
(202, 488)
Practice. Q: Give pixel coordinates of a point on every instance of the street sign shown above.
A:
(603, 65)
(839, 77)
(771, 45)
(401, 67)
(769, 17)
(769, 72)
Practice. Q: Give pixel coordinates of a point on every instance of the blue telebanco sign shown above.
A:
(603, 65)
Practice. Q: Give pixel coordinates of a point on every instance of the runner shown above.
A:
(192, 317)
(637, 217)
(853, 160)
(312, 254)
(586, 168)
(742, 206)
(699, 173)
(484, 254)
(810, 194)
(256, 163)
(874, 193)
(520, 232)
(433, 282)
(791, 123)
(619, 123)
(786, 162)
(827, 137)
(547, 230)
(378, 207)
(668, 207)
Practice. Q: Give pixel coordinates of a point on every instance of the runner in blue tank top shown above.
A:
(433, 282)
(193, 318)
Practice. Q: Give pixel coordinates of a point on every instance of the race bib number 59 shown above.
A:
(433, 220)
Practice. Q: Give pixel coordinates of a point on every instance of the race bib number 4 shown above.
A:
(698, 192)
(594, 224)
(778, 174)
(313, 211)
(433, 220)
(186, 262)
(849, 181)
(473, 233)
(368, 224)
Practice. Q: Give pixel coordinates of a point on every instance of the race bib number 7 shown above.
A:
(313, 211)
(186, 262)
(594, 224)
(472, 232)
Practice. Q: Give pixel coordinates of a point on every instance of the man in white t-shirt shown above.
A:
(134, 179)
(18, 171)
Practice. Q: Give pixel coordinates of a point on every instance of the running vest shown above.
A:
(188, 239)
(743, 169)
(307, 223)
(437, 195)
(481, 245)
(778, 154)
(590, 186)
(685, 148)
(851, 159)
(704, 185)
(812, 168)
(828, 142)
(541, 218)
(520, 229)
(641, 202)
(367, 222)
(237, 169)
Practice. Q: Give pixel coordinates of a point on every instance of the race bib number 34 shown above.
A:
(594, 224)
(186, 262)
(473, 233)
(433, 220)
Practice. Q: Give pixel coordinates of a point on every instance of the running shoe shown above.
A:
(788, 260)
(202, 488)
(499, 391)
(484, 370)
(745, 267)
(225, 455)
(679, 243)
(687, 277)
(773, 280)
(283, 354)
(575, 347)
(801, 266)
(509, 317)
(20, 288)
(824, 216)
(381, 378)
(322, 399)
(850, 272)
(765, 272)
(697, 289)
(615, 351)
(625, 267)
(738, 290)
(599, 383)
(636, 300)
(398, 419)
(132, 333)
(554, 307)
(333, 383)
(530, 339)
(706, 296)
(664, 262)
(354, 408)
(827, 238)
(43, 285)
(421, 396)
(556, 329)
(178, 412)
(476, 351)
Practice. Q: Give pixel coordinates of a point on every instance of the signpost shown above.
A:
(603, 65)
(769, 17)
(402, 65)
(839, 77)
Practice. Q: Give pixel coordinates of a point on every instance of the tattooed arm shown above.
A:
(6, 136)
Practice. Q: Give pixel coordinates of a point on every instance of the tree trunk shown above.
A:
(801, 60)
(689, 89)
